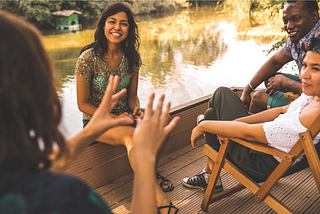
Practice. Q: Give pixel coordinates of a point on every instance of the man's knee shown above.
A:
(259, 101)
(260, 97)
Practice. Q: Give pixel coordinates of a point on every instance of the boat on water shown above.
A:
(106, 169)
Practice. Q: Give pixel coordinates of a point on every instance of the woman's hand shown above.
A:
(151, 131)
(137, 113)
(222, 139)
(125, 114)
(148, 137)
(102, 120)
(196, 133)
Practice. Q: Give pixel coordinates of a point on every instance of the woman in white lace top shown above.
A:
(278, 127)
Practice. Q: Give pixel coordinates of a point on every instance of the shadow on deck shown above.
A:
(298, 191)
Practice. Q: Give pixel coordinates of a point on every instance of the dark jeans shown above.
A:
(226, 105)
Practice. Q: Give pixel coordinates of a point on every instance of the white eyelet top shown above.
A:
(283, 132)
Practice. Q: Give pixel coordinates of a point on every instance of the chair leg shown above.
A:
(226, 193)
(277, 173)
(219, 161)
(246, 181)
(312, 156)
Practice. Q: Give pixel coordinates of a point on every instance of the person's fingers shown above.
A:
(158, 111)
(112, 85)
(123, 121)
(136, 109)
(165, 113)
(138, 122)
(194, 144)
(107, 96)
(119, 94)
(115, 82)
(171, 125)
(149, 109)
(116, 97)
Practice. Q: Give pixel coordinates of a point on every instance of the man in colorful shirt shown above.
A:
(301, 20)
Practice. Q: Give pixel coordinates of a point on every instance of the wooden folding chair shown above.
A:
(261, 193)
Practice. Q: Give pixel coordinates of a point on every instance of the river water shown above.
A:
(185, 55)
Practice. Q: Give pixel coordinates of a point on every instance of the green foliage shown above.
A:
(274, 6)
(277, 45)
(38, 12)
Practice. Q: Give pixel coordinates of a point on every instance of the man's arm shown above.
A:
(267, 70)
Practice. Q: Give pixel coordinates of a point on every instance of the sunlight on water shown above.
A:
(185, 55)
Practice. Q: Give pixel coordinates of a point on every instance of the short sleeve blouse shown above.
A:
(95, 71)
(283, 132)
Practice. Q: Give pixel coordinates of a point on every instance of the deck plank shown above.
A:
(298, 191)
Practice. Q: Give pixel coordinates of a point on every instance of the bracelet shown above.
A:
(250, 86)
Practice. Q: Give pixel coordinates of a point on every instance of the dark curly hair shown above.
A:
(30, 109)
(310, 5)
(130, 45)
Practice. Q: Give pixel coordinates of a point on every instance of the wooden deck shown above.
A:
(298, 191)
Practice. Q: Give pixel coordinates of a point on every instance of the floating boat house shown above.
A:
(67, 19)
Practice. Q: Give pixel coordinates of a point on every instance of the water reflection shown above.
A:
(185, 55)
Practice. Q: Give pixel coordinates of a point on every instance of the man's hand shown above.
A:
(276, 83)
(246, 99)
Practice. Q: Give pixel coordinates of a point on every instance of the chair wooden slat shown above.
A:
(291, 96)
(312, 156)
(262, 193)
(244, 180)
(279, 171)
(265, 149)
(217, 169)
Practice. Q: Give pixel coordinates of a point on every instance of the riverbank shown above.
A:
(39, 13)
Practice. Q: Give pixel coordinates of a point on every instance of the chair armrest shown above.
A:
(291, 96)
(265, 149)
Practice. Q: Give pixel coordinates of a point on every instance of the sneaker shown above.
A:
(200, 118)
(201, 180)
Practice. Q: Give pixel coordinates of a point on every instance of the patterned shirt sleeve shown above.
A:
(287, 47)
(84, 66)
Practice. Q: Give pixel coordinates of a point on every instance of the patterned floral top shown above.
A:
(95, 71)
(295, 51)
(49, 193)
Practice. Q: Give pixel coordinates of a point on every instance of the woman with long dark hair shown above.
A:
(33, 152)
(115, 51)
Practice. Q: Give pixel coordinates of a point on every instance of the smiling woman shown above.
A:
(115, 52)
(116, 28)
